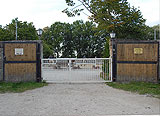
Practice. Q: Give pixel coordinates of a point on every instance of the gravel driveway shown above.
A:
(76, 100)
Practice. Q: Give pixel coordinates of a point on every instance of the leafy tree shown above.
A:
(68, 46)
(86, 42)
(149, 32)
(47, 51)
(25, 31)
(157, 29)
(112, 15)
(5, 35)
(53, 36)
(59, 38)
(74, 40)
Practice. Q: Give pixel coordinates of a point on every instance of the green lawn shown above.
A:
(138, 87)
(19, 87)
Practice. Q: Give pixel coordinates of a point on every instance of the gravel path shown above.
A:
(76, 100)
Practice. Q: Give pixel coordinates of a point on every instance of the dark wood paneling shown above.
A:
(29, 50)
(137, 72)
(1, 64)
(16, 72)
(137, 66)
(125, 52)
(24, 67)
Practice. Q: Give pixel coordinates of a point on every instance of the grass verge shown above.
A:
(138, 87)
(19, 87)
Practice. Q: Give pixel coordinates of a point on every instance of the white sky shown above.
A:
(45, 12)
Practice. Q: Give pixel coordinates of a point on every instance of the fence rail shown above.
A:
(77, 69)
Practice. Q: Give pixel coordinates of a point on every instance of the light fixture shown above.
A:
(39, 32)
(112, 35)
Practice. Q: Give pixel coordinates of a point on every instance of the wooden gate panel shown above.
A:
(17, 72)
(137, 61)
(29, 51)
(137, 72)
(22, 61)
(127, 52)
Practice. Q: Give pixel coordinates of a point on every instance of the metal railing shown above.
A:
(77, 69)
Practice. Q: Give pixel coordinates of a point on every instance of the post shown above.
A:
(111, 69)
(69, 64)
(95, 62)
(113, 59)
(16, 26)
(159, 30)
(154, 34)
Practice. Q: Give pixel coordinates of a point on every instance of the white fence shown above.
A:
(77, 70)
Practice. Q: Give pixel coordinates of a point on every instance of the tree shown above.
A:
(156, 28)
(112, 15)
(5, 35)
(86, 40)
(74, 40)
(26, 31)
(47, 52)
(59, 38)
(53, 36)
(68, 46)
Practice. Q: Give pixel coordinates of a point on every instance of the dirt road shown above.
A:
(76, 100)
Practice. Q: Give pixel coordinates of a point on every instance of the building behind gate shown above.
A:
(20, 61)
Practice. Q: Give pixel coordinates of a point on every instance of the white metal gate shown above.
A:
(77, 70)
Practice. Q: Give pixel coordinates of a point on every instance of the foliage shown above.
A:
(19, 87)
(25, 31)
(88, 42)
(139, 87)
(149, 32)
(112, 15)
(61, 39)
(106, 51)
(68, 47)
(53, 37)
(74, 40)
(5, 35)
(47, 51)
(157, 29)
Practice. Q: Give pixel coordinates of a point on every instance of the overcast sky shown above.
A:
(45, 12)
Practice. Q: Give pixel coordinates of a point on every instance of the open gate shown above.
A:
(77, 70)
